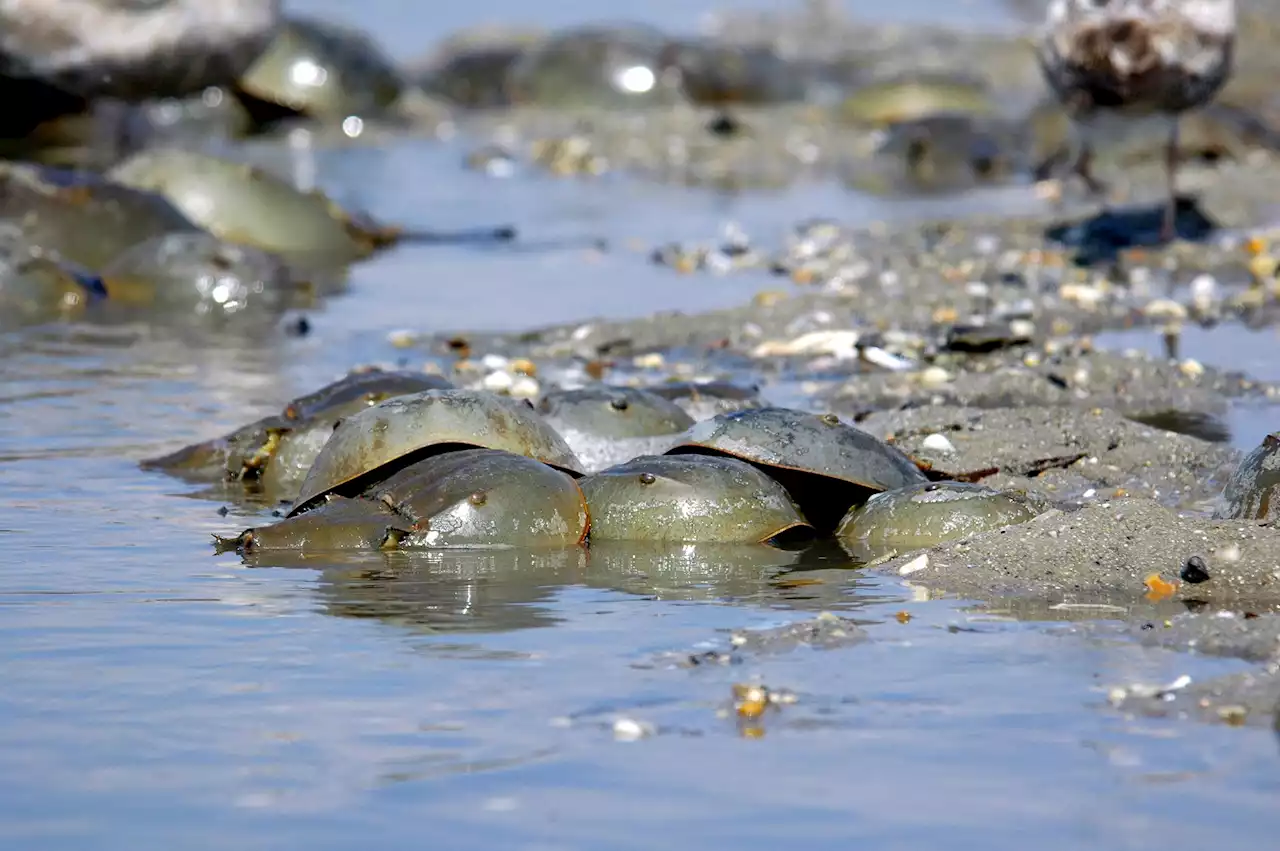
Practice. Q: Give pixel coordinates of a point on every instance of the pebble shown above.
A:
(1191, 368)
(653, 360)
(524, 387)
(1195, 571)
(841, 344)
(916, 565)
(498, 382)
(631, 730)
(402, 338)
(934, 376)
(938, 443)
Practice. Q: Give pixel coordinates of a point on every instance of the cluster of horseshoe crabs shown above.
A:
(397, 460)
(172, 235)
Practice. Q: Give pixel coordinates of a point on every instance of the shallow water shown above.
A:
(156, 694)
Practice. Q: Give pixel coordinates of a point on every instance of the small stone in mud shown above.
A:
(826, 631)
(1195, 571)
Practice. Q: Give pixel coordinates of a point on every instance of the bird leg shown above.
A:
(1084, 169)
(1169, 224)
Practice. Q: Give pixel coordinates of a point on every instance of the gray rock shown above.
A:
(133, 49)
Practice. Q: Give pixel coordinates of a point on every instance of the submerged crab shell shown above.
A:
(924, 515)
(36, 287)
(613, 412)
(81, 217)
(596, 66)
(244, 204)
(486, 497)
(689, 499)
(338, 524)
(200, 273)
(1253, 491)
(826, 464)
(389, 431)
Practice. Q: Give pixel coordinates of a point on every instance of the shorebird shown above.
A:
(1119, 64)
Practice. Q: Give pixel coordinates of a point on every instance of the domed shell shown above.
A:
(915, 96)
(826, 464)
(245, 204)
(619, 66)
(324, 71)
(615, 412)
(80, 216)
(400, 428)
(485, 497)
(201, 274)
(689, 499)
(925, 515)
(35, 287)
(312, 418)
(367, 387)
(1253, 491)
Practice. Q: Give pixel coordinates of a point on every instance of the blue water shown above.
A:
(156, 695)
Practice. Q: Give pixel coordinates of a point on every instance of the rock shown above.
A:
(132, 49)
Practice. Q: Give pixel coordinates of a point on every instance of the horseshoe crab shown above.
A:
(249, 205)
(473, 497)
(470, 68)
(362, 388)
(606, 425)
(916, 96)
(827, 465)
(321, 70)
(275, 452)
(721, 74)
(702, 400)
(338, 524)
(311, 420)
(201, 275)
(463, 498)
(924, 515)
(693, 499)
(1253, 491)
(215, 460)
(81, 217)
(34, 287)
(943, 152)
(610, 67)
(399, 431)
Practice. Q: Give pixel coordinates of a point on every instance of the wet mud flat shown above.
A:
(969, 344)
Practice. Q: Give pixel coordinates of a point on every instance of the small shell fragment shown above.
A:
(938, 443)
(916, 565)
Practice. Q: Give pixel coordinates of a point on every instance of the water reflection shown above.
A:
(812, 578)
(459, 590)
(505, 590)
